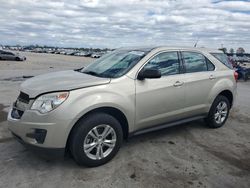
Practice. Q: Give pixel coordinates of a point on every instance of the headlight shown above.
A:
(49, 102)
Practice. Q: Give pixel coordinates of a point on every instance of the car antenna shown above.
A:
(196, 43)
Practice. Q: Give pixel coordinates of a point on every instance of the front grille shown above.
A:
(20, 105)
(16, 114)
(24, 97)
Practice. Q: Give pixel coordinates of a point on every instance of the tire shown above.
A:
(213, 120)
(17, 59)
(82, 136)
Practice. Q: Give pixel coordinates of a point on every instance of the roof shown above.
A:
(139, 48)
(148, 48)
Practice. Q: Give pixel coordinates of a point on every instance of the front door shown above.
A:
(160, 100)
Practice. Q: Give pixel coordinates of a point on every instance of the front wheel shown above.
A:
(96, 139)
(219, 112)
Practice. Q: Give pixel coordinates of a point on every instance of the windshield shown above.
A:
(114, 64)
(223, 58)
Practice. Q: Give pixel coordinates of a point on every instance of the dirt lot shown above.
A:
(189, 155)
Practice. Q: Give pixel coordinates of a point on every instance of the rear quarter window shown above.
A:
(223, 59)
(210, 65)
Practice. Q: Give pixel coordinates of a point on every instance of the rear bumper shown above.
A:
(48, 153)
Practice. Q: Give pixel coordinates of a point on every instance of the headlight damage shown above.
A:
(49, 102)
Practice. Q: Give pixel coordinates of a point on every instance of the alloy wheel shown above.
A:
(99, 142)
(221, 112)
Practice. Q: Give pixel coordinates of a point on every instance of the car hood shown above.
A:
(59, 81)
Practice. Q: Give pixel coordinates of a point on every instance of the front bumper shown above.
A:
(48, 153)
(43, 132)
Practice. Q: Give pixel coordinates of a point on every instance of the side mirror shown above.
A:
(149, 73)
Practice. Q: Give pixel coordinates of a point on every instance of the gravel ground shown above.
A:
(188, 155)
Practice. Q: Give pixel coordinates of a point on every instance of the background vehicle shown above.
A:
(4, 55)
(242, 66)
(96, 55)
(124, 93)
(243, 71)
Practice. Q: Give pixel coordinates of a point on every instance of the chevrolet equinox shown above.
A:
(129, 91)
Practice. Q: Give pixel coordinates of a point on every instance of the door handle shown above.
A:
(178, 83)
(211, 77)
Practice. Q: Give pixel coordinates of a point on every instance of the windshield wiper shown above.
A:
(79, 69)
(92, 73)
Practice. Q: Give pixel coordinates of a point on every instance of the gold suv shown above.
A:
(127, 92)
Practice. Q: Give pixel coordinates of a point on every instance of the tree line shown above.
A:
(240, 50)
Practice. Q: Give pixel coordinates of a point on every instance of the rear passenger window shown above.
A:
(194, 62)
(166, 62)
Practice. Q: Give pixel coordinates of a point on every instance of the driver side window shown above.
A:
(167, 63)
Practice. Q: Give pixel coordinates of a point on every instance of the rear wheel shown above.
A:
(96, 139)
(17, 59)
(219, 112)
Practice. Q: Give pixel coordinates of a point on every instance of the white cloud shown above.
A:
(234, 5)
(96, 23)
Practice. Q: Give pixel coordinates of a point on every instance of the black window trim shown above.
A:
(182, 62)
(206, 59)
(157, 53)
(182, 66)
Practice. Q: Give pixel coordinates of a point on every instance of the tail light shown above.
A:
(236, 75)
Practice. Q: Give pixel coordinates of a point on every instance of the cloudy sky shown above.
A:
(116, 23)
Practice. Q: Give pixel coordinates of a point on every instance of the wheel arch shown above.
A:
(225, 87)
(229, 95)
(116, 113)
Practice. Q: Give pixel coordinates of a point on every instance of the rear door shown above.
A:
(199, 80)
(160, 100)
